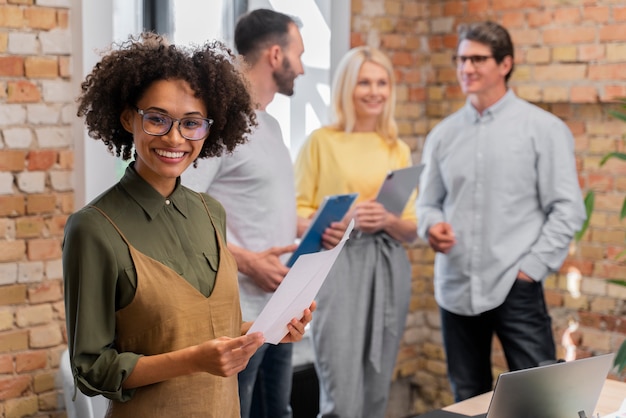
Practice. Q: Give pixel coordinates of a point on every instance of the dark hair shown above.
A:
(258, 29)
(124, 74)
(493, 35)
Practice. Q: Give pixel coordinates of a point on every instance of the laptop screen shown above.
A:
(559, 390)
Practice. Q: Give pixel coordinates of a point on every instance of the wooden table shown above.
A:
(611, 398)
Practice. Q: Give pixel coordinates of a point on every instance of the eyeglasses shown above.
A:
(476, 60)
(192, 128)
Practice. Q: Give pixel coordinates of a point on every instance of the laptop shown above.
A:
(560, 390)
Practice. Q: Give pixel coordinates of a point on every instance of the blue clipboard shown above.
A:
(332, 209)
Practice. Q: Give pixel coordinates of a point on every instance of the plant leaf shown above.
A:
(610, 155)
(620, 358)
(589, 204)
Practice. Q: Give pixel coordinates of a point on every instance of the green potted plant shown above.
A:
(620, 357)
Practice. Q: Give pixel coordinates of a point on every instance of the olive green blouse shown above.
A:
(99, 276)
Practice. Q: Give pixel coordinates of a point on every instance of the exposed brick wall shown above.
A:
(36, 161)
(571, 60)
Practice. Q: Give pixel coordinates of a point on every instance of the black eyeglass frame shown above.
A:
(143, 115)
(476, 60)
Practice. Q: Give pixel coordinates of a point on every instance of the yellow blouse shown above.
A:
(338, 162)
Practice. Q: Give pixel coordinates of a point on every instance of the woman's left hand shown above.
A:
(370, 217)
(296, 328)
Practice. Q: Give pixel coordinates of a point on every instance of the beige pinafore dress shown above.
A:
(167, 314)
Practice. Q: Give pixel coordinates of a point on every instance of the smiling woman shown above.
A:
(151, 297)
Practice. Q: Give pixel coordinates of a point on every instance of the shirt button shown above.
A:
(167, 201)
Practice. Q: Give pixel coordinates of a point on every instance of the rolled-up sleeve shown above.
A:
(560, 198)
(90, 272)
(432, 191)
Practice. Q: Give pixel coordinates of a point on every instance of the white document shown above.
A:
(296, 292)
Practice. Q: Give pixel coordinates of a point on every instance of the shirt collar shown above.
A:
(151, 201)
(493, 110)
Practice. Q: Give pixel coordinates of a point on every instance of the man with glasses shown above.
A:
(256, 186)
(499, 202)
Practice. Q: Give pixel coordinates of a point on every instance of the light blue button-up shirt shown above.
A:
(506, 181)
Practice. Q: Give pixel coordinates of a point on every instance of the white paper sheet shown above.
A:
(296, 292)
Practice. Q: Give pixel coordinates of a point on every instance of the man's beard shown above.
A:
(284, 78)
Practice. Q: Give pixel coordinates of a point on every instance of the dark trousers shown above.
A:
(522, 325)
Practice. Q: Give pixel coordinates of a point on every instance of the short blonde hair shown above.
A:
(344, 83)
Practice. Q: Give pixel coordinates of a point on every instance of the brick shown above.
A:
(41, 159)
(4, 42)
(37, 204)
(564, 53)
(48, 401)
(539, 18)
(31, 181)
(29, 227)
(523, 37)
(65, 67)
(539, 55)
(560, 72)
(66, 201)
(30, 272)
(553, 94)
(13, 341)
(56, 225)
(584, 94)
(477, 6)
(40, 18)
(591, 52)
(17, 138)
(11, 17)
(453, 8)
(23, 43)
(616, 52)
(599, 182)
(596, 14)
(60, 137)
(28, 316)
(61, 181)
(23, 91)
(516, 4)
(619, 14)
(11, 160)
(56, 42)
(54, 269)
(610, 33)
(45, 336)
(567, 36)
(8, 273)
(567, 16)
(21, 407)
(30, 361)
(63, 19)
(14, 386)
(43, 249)
(6, 364)
(6, 322)
(512, 20)
(11, 250)
(41, 67)
(44, 382)
(11, 66)
(48, 291)
(609, 271)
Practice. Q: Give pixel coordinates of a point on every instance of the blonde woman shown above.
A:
(371, 281)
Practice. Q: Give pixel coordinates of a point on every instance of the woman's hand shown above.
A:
(296, 328)
(226, 356)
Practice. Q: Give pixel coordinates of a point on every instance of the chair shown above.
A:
(84, 406)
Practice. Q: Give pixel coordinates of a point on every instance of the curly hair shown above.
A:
(124, 74)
